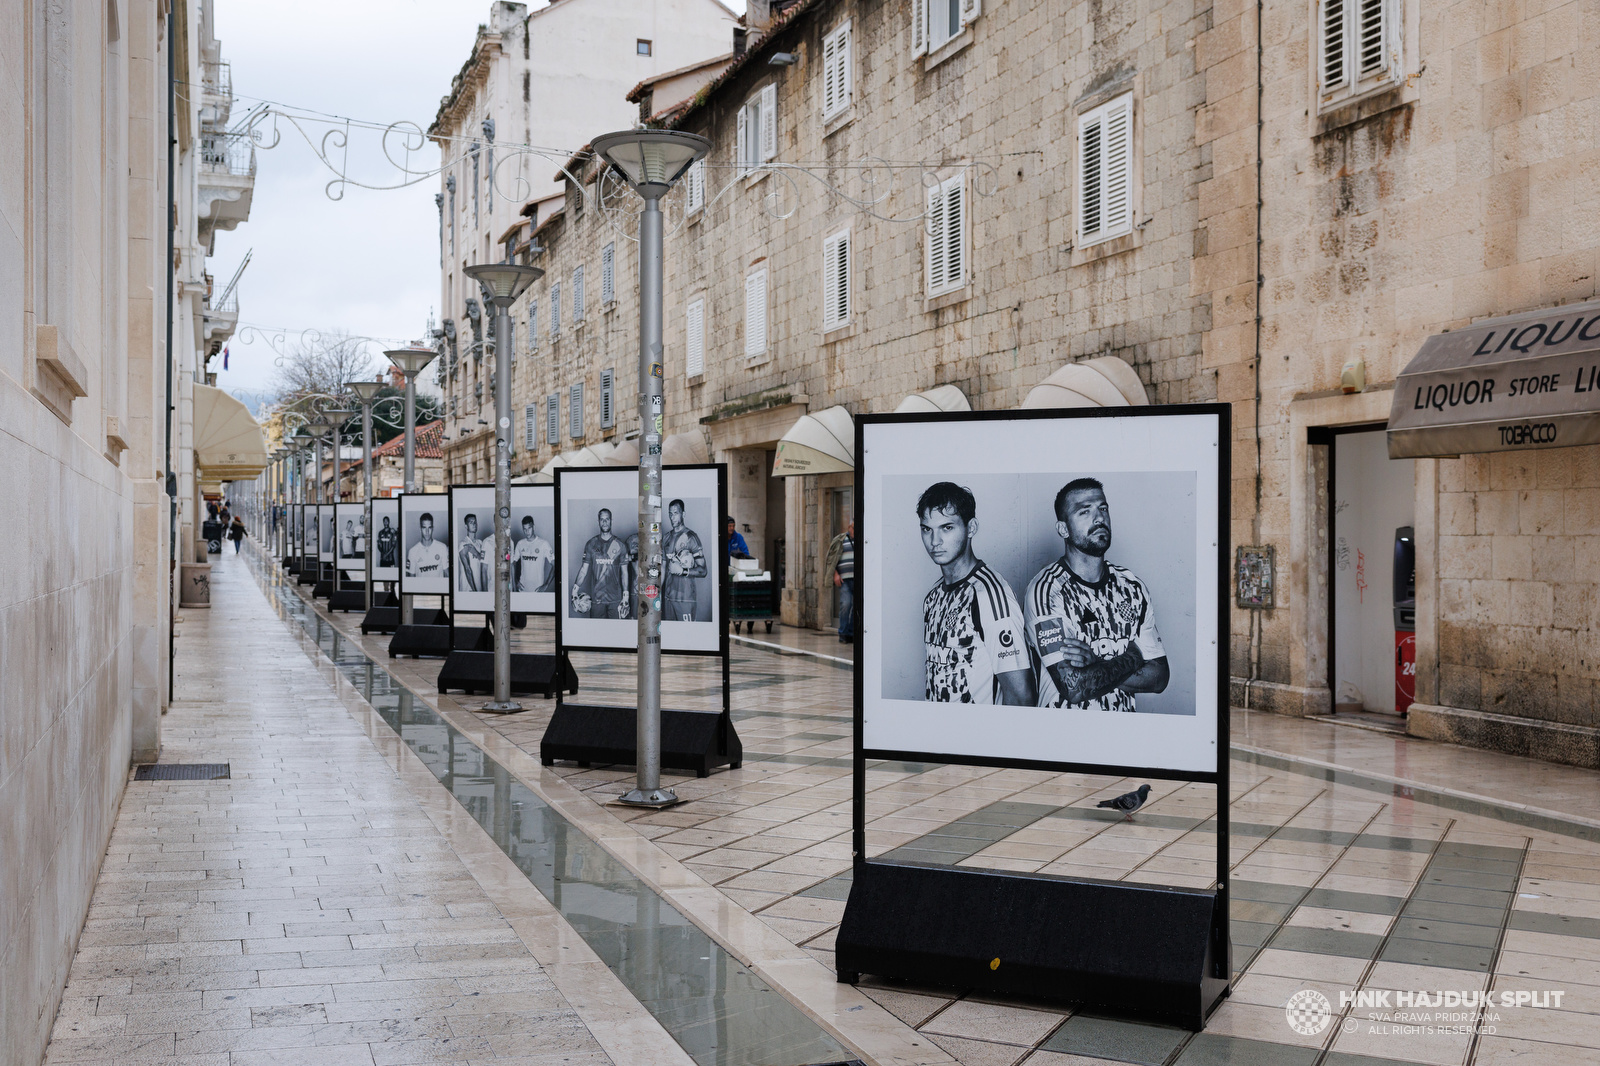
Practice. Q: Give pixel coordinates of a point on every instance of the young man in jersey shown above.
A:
(347, 543)
(1090, 622)
(971, 624)
(534, 560)
(475, 556)
(427, 557)
(387, 542)
(686, 564)
(602, 573)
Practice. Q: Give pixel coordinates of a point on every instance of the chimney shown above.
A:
(758, 15)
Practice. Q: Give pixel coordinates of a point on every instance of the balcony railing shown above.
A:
(225, 153)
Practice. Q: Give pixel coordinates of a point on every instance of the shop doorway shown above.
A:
(777, 527)
(1371, 516)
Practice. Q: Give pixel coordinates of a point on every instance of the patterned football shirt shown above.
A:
(1107, 616)
(972, 633)
(606, 558)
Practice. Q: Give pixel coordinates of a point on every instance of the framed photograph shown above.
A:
(424, 544)
(601, 575)
(472, 549)
(385, 525)
(350, 537)
(325, 539)
(1064, 571)
(534, 576)
(308, 532)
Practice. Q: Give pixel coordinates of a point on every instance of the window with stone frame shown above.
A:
(695, 188)
(836, 281)
(694, 363)
(945, 236)
(836, 72)
(755, 315)
(935, 22)
(1358, 47)
(756, 130)
(1104, 196)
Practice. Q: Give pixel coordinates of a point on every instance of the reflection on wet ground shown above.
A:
(721, 1013)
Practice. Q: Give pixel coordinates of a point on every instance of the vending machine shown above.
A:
(1405, 619)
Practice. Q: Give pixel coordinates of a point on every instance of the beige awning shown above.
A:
(547, 472)
(1504, 384)
(589, 454)
(683, 449)
(228, 444)
(625, 454)
(1102, 382)
(820, 443)
(944, 398)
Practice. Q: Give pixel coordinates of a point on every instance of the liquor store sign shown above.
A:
(1525, 381)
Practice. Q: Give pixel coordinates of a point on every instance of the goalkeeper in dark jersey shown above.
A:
(973, 637)
(686, 564)
(388, 541)
(598, 589)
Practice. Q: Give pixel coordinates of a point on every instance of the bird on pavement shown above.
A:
(1128, 802)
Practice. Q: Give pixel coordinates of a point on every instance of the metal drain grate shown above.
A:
(183, 771)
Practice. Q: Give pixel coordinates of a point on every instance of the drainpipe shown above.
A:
(172, 247)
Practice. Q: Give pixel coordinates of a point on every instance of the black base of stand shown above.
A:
(322, 590)
(291, 566)
(386, 619)
(306, 575)
(434, 641)
(690, 740)
(473, 671)
(348, 599)
(1140, 950)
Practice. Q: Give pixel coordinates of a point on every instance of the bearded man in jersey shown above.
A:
(971, 622)
(602, 574)
(686, 564)
(1091, 626)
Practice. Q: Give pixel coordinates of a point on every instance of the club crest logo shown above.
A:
(1308, 1012)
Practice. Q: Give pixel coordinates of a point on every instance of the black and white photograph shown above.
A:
(601, 575)
(385, 520)
(425, 560)
(308, 532)
(472, 557)
(533, 558)
(327, 546)
(1020, 604)
(350, 536)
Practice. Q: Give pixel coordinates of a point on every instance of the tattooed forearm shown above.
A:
(1082, 684)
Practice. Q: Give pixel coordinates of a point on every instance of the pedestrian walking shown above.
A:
(236, 533)
(842, 561)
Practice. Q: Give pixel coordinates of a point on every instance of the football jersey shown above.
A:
(1107, 616)
(428, 560)
(684, 587)
(537, 560)
(386, 544)
(605, 556)
(971, 633)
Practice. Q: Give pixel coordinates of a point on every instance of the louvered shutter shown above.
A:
(970, 9)
(555, 310)
(755, 314)
(608, 411)
(836, 281)
(1332, 69)
(955, 232)
(695, 190)
(836, 71)
(919, 27)
(533, 325)
(608, 273)
(552, 420)
(530, 427)
(695, 340)
(769, 123)
(935, 240)
(830, 47)
(1105, 171)
(577, 294)
(741, 150)
(575, 411)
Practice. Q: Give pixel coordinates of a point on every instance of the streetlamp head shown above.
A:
(318, 430)
(651, 160)
(503, 282)
(411, 361)
(365, 391)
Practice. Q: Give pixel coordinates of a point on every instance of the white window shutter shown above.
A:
(695, 340)
(741, 150)
(575, 411)
(608, 273)
(577, 293)
(935, 238)
(552, 420)
(1091, 155)
(1118, 186)
(755, 314)
(955, 232)
(530, 427)
(608, 399)
(830, 49)
(695, 190)
(836, 71)
(1333, 38)
(919, 27)
(970, 9)
(769, 123)
(836, 281)
(533, 325)
(555, 310)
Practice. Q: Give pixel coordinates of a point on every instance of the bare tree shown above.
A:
(313, 373)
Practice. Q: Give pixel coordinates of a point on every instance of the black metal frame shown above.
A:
(490, 613)
(449, 524)
(1030, 886)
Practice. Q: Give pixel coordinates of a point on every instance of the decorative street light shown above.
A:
(650, 161)
(410, 362)
(502, 283)
(366, 392)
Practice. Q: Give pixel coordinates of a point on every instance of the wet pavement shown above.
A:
(1360, 861)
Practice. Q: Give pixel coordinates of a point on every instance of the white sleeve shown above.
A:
(1004, 637)
(1148, 638)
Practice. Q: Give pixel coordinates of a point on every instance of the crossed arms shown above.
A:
(1081, 676)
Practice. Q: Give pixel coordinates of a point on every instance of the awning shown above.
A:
(1504, 384)
(547, 472)
(683, 449)
(821, 443)
(589, 455)
(228, 444)
(932, 401)
(1102, 382)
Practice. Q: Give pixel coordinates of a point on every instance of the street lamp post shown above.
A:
(366, 392)
(650, 161)
(410, 362)
(502, 283)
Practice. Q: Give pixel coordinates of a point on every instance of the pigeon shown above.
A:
(1128, 802)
